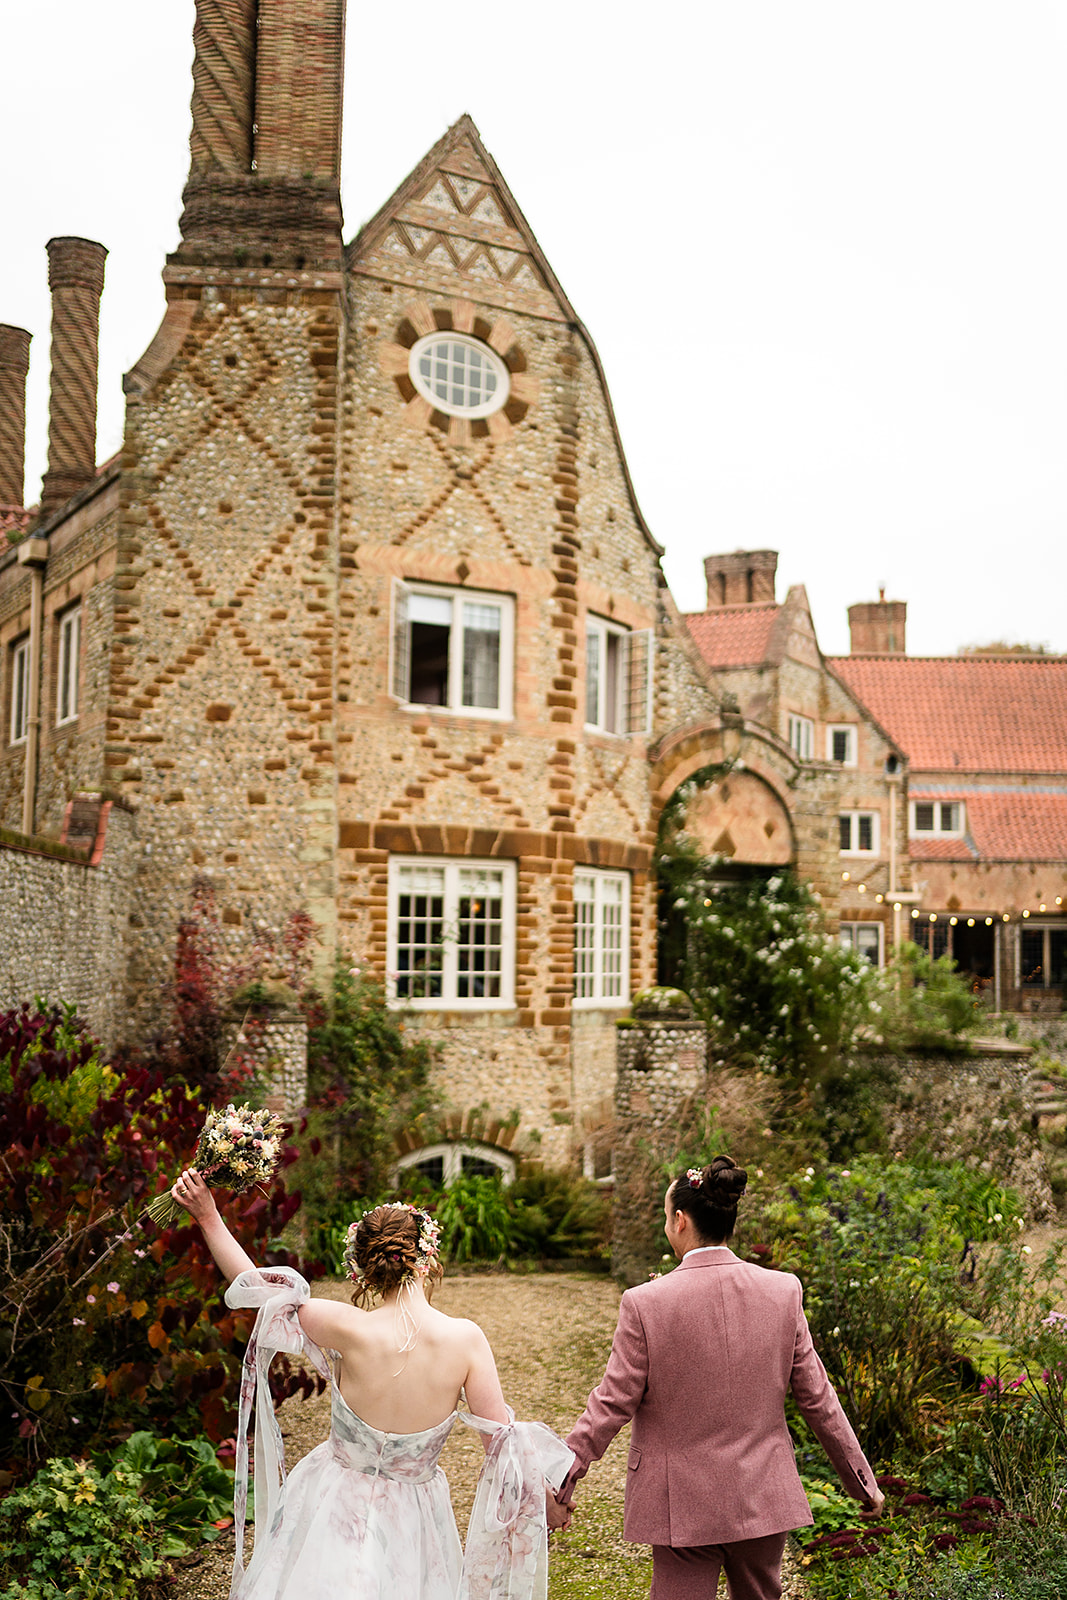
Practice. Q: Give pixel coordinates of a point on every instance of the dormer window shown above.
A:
(459, 375)
(937, 817)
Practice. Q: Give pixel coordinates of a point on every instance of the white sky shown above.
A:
(822, 248)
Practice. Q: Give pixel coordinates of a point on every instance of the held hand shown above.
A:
(558, 1514)
(193, 1193)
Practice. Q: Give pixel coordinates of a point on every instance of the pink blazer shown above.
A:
(701, 1362)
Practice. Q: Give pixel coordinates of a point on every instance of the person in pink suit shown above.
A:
(701, 1364)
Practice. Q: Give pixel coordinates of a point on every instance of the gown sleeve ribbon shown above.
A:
(506, 1555)
(276, 1294)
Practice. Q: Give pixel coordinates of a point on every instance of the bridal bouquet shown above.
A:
(237, 1149)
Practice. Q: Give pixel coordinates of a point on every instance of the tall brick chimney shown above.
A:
(745, 577)
(876, 627)
(224, 80)
(299, 71)
(14, 365)
(265, 149)
(76, 279)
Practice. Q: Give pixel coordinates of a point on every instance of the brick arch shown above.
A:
(752, 752)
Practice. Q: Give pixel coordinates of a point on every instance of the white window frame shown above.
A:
(400, 651)
(634, 666)
(20, 690)
(938, 831)
(604, 989)
(852, 732)
(451, 1155)
(847, 934)
(801, 736)
(69, 666)
(452, 868)
(463, 342)
(854, 832)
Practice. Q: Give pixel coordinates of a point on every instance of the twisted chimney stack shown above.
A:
(76, 279)
(14, 365)
(224, 86)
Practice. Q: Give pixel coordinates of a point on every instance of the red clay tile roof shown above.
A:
(733, 636)
(977, 713)
(14, 519)
(1002, 824)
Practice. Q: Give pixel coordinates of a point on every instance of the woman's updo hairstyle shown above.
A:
(386, 1247)
(709, 1195)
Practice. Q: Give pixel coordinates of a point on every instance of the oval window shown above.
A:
(458, 375)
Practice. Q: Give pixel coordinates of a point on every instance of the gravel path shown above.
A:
(551, 1333)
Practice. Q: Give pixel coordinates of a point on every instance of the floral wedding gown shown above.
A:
(367, 1515)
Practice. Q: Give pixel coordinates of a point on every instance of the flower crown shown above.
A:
(695, 1176)
(426, 1259)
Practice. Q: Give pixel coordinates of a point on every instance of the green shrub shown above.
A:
(368, 1077)
(79, 1533)
(544, 1215)
(190, 1491)
(925, 1004)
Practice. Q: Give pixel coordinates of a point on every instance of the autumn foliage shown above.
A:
(106, 1323)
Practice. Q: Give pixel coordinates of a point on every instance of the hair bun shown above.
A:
(724, 1182)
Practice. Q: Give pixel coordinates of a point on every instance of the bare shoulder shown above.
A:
(464, 1331)
(331, 1321)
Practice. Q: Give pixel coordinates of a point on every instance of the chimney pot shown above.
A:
(877, 627)
(76, 279)
(14, 365)
(742, 577)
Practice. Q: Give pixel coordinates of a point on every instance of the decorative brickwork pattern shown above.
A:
(14, 365)
(76, 279)
(224, 42)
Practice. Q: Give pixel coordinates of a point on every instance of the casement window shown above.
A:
(841, 744)
(1042, 957)
(451, 933)
(453, 649)
(69, 662)
(938, 816)
(802, 737)
(865, 938)
(858, 833)
(618, 677)
(19, 679)
(601, 937)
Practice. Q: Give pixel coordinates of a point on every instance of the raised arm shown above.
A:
(193, 1193)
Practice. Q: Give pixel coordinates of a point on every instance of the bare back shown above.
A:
(406, 1391)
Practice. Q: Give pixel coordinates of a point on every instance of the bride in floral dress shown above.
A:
(367, 1515)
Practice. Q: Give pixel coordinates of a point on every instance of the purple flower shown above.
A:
(79, 1322)
(90, 1299)
(112, 1287)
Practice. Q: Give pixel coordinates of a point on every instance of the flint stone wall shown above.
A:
(275, 1047)
(661, 1064)
(975, 1109)
(64, 927)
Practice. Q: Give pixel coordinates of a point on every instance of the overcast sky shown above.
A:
(822, 248)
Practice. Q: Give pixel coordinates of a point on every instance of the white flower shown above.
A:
(837, 1333)
(810, 1171)
(997, 1217)
(1020, 1224)
(1027, 1250)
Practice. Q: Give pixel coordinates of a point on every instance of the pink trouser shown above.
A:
(753, 1569)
